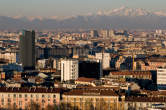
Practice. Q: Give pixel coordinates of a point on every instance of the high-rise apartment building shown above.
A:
(161, 78)
(105, 59)
(27, 49)
(111, 33)
(69, 69)
(94, 33)
(104, 33)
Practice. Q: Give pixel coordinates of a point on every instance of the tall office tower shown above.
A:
(27, 50)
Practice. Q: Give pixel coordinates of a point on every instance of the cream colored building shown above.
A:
(69, 69)
(11, 57)
(84, 99)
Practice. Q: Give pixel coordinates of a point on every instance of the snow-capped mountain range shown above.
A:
(125, 11)
(123, 17)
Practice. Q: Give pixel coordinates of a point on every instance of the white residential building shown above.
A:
(41, 63)
(105, 59)
(161, 78)
(57, 64)
(69, 69)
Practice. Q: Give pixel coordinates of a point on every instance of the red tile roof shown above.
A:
(131, 73)
(91, 92)
(145, 99)
(83, 79)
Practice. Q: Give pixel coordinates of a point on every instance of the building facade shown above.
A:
(144, 103)
(21, 98)
(94, 99)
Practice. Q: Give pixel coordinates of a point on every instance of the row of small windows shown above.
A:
(161, 70)
(92, 99)
(26, 95)
(161, 74)
(43, 100)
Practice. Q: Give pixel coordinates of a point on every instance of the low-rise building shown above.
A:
(143, 103)
(96, 98)
(132, 74)
(22, 97)
(85, 81)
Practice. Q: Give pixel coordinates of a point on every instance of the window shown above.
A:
(20, 103)
(43, 101)
(43, 96)
(37, 96)
(54, 96)
(2, 100)
(8, 95)
(14, 104)
(14, 95)
(140, 104)
(8, 104)
(54, 101)
(20, 96)
(161, 71)
(74, 100)
(25, 95)
(9, 100)
(31, 95)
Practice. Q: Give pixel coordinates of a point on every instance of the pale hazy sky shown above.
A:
(47, 8)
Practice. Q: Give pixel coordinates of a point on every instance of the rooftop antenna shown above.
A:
(133, 66)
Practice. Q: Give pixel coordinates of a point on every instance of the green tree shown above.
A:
(52, 107)
(67, 106)
(33, 106)
(89, 104)
(101, 104)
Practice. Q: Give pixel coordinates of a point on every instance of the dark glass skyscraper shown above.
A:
(27, 50)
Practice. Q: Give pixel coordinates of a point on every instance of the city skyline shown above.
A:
(82, 55)
(63, 8)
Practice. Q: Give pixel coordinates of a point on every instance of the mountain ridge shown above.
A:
(120, 18)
